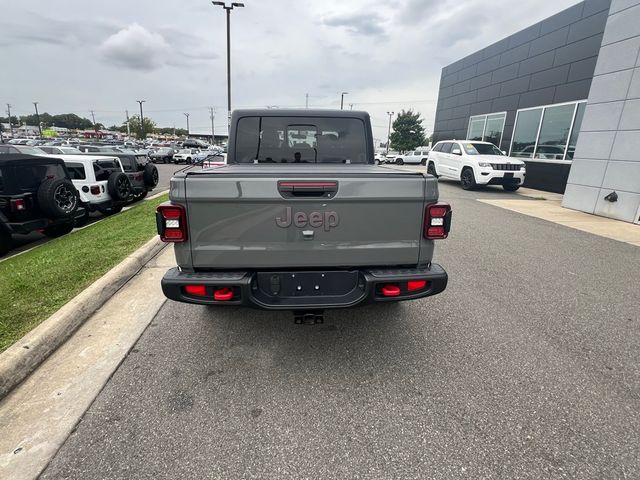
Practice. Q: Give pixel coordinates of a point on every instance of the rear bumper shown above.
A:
(305, 290)
(38, 224)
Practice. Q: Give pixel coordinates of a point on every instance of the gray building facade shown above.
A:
(527, 93)
(605, 172)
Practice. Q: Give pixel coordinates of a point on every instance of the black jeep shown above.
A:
(36, 194)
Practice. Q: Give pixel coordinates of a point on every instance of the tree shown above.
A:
(408, 132)
(180, 132)
(134, 125)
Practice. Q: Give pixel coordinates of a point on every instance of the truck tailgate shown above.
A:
(250, 217)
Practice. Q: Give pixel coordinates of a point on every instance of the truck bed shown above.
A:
(248, 216)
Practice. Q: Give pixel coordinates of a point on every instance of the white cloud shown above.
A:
(136, 47)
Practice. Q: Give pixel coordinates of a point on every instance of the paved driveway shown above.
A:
(527, 366)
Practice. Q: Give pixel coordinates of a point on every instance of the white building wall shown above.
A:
(607, 156)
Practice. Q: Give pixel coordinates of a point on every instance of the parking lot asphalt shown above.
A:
(23, 243)
(527, 366)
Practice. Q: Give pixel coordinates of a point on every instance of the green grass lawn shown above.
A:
(37, 283)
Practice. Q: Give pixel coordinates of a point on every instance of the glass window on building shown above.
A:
(577, 123)
(526, 131)
(554, 132)
(476, 128)
(493, 129)
(487, 128)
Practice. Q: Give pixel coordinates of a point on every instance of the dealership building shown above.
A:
(563, 95)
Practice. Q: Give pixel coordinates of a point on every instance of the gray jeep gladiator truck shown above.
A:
(302, 219)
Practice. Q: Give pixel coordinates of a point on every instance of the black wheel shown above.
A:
(58, 198)
(55, 231)
(399, 161)
(423, 162)
(467, 179)
(110, 211)
(431, 169)
(188, 160)
(150, 175)
(119, 186)
(166, 160)
(140, 196)
(6, 243)
(84, 219)
(511, 187)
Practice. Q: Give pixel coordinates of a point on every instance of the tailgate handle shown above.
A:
(303, 188)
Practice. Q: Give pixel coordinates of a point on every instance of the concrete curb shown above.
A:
(23, 357)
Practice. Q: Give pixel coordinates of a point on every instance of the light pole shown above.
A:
(212, 115)
(35, 104)
(141, 119)
(389, 132)
(10, 123)
(342, 99)
(187, 115)
(228, 9)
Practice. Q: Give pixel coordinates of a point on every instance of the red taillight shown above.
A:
(18, 205)
(223, 294)
(390, 290)
(95, 189)
(197, 290)
(172, 222)
(413, 285)
(437, 220)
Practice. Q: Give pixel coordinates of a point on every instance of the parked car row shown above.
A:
(54, 193)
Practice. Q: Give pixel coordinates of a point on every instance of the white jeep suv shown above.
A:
(101, 182)
(475, 163)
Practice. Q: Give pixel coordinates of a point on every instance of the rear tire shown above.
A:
(511, 188)
(6, 243)
(55, 231)
(431, 169)
(467, 179)
(150, 175)
(110, 211)
(423, 162)
(119, 186)
(58, 198)
(82, 221)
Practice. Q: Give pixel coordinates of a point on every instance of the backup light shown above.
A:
(18, 205)
(437, 221)
(171, 221)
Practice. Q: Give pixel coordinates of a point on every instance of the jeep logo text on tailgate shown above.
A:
(313, 219)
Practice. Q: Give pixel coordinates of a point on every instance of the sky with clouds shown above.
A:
(79, 55)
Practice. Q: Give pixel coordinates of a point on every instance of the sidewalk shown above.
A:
(37, 416)
(548, 206)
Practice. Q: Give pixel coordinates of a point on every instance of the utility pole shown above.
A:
(351, 106)
(389, 132)
(10, 122)
(141, 119)
(128, 128)
(212, 115)
(35, 104)
(228, 10)
(342, 99)
(306, 102)
(93, 116)
(188, 131)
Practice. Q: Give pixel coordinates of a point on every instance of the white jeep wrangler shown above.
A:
(101, 182)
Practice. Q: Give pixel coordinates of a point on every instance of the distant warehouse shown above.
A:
(564, 96)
